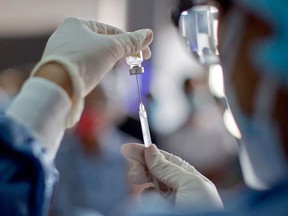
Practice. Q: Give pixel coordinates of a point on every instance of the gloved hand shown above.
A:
(88, 50)
(187, 186)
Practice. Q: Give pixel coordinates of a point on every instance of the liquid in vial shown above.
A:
(134, 61)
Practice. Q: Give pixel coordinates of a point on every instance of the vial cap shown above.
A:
(136, 70)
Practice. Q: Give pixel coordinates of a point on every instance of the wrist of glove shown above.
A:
(77, 83)
(43, 107)
(88, 50)
(188, 187)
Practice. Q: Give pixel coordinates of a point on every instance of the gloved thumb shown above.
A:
(132, 42)
(192, 188)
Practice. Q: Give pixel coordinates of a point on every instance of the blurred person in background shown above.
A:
(253, 49)
(203, 139)
(11, 80)
(94, 179)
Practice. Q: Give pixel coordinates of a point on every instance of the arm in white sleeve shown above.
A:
(44, 107)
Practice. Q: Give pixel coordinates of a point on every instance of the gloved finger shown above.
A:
(129, 43)
(146, 53)
(111, 30)
(102, 28)
(168, 172)
(133, 151)
(183, 164)
(145, 45)
(178, 161)
(139, 174)
(108, 29)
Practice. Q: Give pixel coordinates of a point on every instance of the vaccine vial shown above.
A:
(134, 61)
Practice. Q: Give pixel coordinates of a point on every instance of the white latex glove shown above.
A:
(190, 189)
(88, 50)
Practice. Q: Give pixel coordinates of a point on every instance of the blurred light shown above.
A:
(216, 84)
(184, 13)
(215, 35)
(230, 124)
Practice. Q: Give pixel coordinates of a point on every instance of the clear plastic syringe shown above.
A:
(144, 125)
(135, 68)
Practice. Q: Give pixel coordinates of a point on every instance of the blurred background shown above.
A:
(185, 118)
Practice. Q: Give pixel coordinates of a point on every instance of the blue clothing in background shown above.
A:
(261, 203)
(91, 182)
(25, 179)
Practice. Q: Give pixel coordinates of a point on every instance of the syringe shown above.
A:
(135, 69)
(144, 125)
(143, 118)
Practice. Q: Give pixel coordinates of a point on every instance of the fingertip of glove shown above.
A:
(146, 53)
(151, 154)
(149, 34)
(146, 35)
(152, 149)
(124, 149)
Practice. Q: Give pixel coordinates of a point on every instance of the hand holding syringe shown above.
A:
(135, 69)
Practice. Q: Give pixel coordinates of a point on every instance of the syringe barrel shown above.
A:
(146, 135)
(144, 125)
